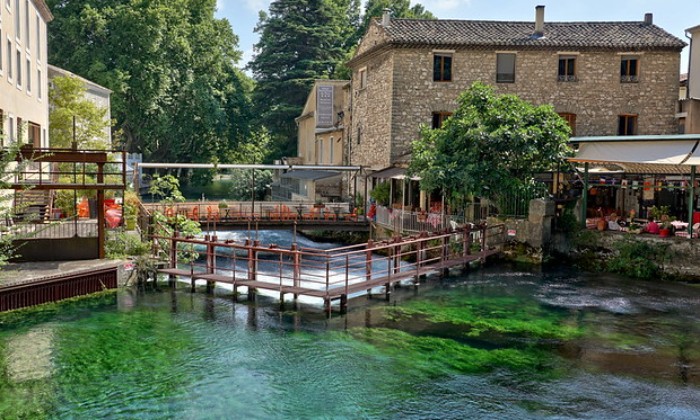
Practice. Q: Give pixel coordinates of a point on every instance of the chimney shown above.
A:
(386, 18)
(648, 18)
(539, 21)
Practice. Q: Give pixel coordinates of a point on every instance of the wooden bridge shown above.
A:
(246, 215)
(331, 275)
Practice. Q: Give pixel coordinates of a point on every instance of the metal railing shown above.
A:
(60, 229)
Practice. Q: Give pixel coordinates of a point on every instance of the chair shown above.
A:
(684, 233)
(212, 214)
(194, 214)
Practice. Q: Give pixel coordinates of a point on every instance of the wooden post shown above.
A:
(211, 263)
(445, 241)
(296, 275)
(173, 255)
(100, 212)
(368, 265)
(419, 258)
(343, 303)
(397, 255)
(691, 201)
(466, 245)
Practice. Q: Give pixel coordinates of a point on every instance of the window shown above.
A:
(363, 78)
(359, 135)
(629, 69)
(2, 129)
(627, 125)
(38, 37)
(320, 151)
(11, 126)
(9, 61)
(330, 151)
(567, 68)
(26, 23)
(34, 135)
(1, 59)
(18, 28)
(29, 76)
(39, 85)
(571, 120)
(19, 69)
(439, 118)
(505, 68)
(442, 68)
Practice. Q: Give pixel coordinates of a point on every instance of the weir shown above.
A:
(337, 274)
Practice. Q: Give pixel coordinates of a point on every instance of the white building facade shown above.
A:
(24, 101)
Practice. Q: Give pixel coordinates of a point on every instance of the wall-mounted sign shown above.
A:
(324, 106)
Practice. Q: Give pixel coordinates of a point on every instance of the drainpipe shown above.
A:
(690, 58)
(584, 195)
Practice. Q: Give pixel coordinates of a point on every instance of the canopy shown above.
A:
(309, 174)
(641, 154)
(392, 173)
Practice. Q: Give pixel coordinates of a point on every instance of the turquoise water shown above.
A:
(502, 342)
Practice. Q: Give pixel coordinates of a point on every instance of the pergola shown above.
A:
(652, 154)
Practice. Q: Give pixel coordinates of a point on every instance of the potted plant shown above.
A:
(601, 223)
(634, 228)
(665, 227)
(223, 205)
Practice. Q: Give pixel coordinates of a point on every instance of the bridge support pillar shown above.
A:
(368, 265)
(343, 304)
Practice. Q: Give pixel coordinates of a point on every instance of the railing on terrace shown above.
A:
(400, 220)
(60, 229)
(241, 211)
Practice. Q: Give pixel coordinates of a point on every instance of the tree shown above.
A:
(491, 146)
(9, 169)
(177, 94)
(400, 9)
(300, 41)
(67, 101)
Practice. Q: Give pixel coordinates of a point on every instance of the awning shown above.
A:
(666, 155)
(392, 173)
(309, 174)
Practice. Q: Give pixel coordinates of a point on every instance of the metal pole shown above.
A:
(691, 201)
(584, 195)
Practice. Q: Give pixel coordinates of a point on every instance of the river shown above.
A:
(500, 342)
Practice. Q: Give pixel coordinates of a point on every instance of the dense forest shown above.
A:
(180, 91)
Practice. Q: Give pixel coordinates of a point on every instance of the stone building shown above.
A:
(24, 102)
(604, 78)
(689, 104)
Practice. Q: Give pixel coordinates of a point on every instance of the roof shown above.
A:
(618, 35)
(391, 173)
(43, 10)
(309, 174)
(89, 83)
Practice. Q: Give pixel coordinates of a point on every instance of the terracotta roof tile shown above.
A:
(619, 35)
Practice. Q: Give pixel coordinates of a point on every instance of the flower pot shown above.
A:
(601, 224)
(664, 233)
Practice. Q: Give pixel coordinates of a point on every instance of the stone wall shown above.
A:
(597, 97)
(371, 113)
(401, 94)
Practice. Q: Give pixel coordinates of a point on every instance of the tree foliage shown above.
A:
(177, 95)
(300, 41)
(68, 101)
(492, 145)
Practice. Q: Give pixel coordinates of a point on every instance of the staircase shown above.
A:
(32, 205)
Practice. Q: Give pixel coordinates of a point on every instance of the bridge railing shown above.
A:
(343, 270)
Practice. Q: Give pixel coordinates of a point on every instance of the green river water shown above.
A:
(501, 342)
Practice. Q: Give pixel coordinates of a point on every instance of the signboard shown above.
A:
(511, 232)
(324, 106)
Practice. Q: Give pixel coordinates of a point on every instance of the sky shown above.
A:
(672, 15)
